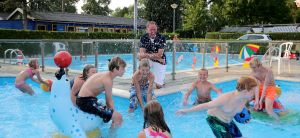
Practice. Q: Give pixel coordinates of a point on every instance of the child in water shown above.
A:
(33, 69)
(141, 90)
(203, 88)
(154, 122)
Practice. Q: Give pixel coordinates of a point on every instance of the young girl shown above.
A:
(77, 83)
(154, 122)
(29, 73)
(141, 90)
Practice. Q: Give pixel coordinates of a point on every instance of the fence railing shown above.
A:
(182, 55)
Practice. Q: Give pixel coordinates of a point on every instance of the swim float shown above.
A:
(70, 120)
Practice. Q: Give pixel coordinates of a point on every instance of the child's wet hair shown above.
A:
(154, 116)
(116, 62)
(204, 69)
(33, 63)
(144, 63)
(255, 62)
(246, 83)
(86, 71)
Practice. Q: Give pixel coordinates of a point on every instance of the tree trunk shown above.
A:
(25, 22)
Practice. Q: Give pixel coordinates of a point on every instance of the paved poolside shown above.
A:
(183, 78)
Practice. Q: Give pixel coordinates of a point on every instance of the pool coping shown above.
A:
(165, 91)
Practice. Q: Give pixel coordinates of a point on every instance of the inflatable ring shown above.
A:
(70, 121)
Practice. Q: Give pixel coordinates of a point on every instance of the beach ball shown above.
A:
(62, 59)
(243, 116)
(45, 87)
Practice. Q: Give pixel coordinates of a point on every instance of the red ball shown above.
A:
(62, 59)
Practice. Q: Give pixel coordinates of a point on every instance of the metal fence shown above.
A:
(181, 55)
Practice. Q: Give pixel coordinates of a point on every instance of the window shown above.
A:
(111, 30)
(123, 30)
(54, 27)
(58, 27)
(96, 29)
(71, 29)
(118, 30)
(103, 30)
(254, 37)
(41, 27)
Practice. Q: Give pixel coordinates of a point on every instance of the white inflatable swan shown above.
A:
(70, 120)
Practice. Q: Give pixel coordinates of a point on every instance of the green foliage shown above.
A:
(96, 7)
(40, 5)
(244, 12)
(128, 12)
(162, 13)
(53, 5)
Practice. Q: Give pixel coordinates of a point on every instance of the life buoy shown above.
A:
(70, 120)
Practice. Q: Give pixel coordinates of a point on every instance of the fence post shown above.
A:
(68, 49)
(226, 48)
(95, 46)
(173, 60)
(134, 53)
(42, 46)
(202, 46)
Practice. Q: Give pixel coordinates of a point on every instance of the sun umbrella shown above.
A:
(248, 50)
(247, 53)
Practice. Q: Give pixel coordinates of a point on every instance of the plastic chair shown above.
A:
(284, 48)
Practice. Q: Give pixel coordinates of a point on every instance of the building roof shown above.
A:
(236, 29)
(78, 18)
(285, 29)
(263, 28)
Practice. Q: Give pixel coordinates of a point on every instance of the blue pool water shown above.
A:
(185, 64)
(27, 116)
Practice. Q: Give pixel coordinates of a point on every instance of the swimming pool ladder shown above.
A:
(12, 51)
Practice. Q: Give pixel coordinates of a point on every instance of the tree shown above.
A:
(196, 17)
(128, 12)
(242, 12)
(161, 12)
(39, 5)
(53, 5)
(9, 5)
(96, 7)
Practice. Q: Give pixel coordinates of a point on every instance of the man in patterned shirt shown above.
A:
(152, 47)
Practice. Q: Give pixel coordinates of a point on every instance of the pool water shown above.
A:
(28, 116)
(185, 64)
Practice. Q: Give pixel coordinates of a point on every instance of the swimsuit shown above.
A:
(22, 83)
(201, 101)
(90, 105)
(153, 134)
(221, 129)
(133, 96)
(270, 92)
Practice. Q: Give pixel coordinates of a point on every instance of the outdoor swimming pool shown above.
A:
(28, 116)
(185, 64)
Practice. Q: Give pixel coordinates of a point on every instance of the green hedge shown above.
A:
(25, 34)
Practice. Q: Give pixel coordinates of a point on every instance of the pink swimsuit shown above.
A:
(20, 84)
(153, 134)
